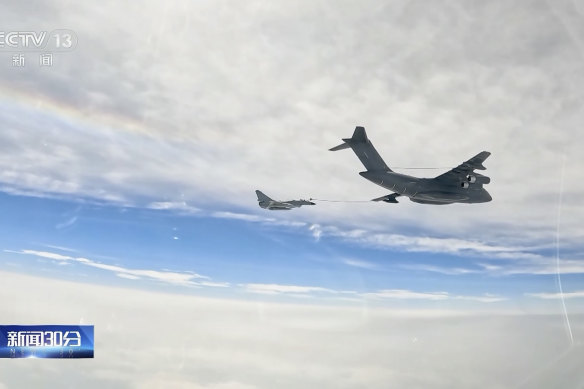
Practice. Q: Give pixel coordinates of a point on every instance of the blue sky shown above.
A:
(255, 258)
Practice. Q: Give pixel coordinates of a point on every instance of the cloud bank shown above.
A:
(146, 339)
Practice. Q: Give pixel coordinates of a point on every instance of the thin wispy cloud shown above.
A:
(354, 296)
(67, 223)
(170, 277)
(533, 264)
(255, 218)
(413, 243)
(558, 296)
(180, 206)
(359, 263)
(61, 248)
(485, 298)
(504, 260)
(284, 289)
(439, 269)
(44, 254)
(242, 216)
(404, 294)
(541, 265)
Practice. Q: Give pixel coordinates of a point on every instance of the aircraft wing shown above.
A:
(461, 172)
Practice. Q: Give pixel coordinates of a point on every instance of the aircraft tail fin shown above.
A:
(262, 196)
(364, 149)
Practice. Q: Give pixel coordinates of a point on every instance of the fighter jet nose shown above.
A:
(311, 203)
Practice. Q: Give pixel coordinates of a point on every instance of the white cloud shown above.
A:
(415, 243)
(508, 265)
(148, 339)
(359, 263)
(316, 231)
(242, 216)
(554, 296)
(43, 254)
(169, 277)
(407, 294)
(284, 289)
(254, 218)
(543, 265)
(128, 276)
(439, 269)
(486, 298)
(215, 284)
(61, 248)
(403, 294)
(505, 260)
(180, 206)
(353, 296)
(184, 279)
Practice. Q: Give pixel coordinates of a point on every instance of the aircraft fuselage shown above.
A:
(427, 190)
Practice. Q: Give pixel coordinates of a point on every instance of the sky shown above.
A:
(128, 168)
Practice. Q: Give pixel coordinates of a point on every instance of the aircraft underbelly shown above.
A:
(441, 197)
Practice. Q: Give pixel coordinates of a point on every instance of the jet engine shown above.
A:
(464, 184)
(472, 179)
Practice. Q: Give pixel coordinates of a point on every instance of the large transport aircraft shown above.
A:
(459, 185)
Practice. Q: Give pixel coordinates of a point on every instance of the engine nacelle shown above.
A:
(472, 179)
(464, 184)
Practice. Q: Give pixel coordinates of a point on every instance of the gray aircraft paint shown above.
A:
(459, 185)
(273, 205)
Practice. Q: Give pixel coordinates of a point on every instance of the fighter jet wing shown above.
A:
(462, 171)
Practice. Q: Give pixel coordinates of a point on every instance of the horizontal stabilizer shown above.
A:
(340, 147)
(359, 136)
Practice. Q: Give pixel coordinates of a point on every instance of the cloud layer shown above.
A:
(146, 339)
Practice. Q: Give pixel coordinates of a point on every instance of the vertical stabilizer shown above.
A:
(364, 150)
(262, 197)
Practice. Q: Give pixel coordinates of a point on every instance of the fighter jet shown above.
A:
(273, 205)
(459, 185)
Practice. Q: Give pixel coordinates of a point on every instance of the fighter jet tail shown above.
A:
(364, 149)
(262, 197)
